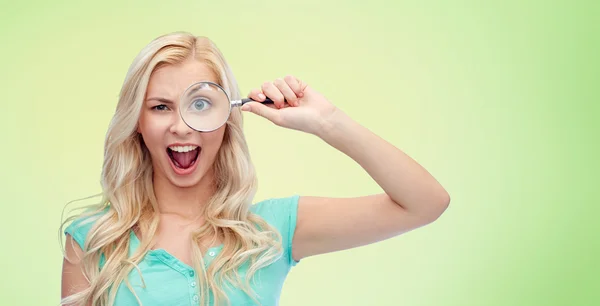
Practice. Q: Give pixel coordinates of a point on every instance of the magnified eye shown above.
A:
(200, 104)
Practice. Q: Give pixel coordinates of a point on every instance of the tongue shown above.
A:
(184, 159)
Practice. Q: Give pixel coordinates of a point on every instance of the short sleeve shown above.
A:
(80, 227)
(281, 213)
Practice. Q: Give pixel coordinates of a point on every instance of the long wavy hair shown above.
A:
(129, 203)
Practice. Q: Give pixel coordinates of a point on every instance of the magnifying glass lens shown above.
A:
(204, 107)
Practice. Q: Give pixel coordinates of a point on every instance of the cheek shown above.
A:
(152, 132)
(212, 142)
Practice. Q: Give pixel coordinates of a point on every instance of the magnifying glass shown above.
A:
(205, 106)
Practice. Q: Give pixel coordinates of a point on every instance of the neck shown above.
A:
(185, 202)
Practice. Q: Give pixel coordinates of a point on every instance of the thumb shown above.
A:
(262, 110)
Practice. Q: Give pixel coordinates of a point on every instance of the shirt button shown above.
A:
(191, 273)
(193, 284)
(195, 298)
(211, 253)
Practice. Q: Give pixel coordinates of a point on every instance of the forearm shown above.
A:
(402, 179)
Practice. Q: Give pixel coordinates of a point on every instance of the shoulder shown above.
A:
(282, 214)
(277, 210)
(83, 224)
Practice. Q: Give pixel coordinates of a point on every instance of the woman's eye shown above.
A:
(160, 107)
(200, 105)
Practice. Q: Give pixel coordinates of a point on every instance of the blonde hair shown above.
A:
(128, 199)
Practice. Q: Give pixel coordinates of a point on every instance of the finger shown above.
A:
(257, 95)
(262, 110)
(295, 85)
(271, 91)
(288, 93)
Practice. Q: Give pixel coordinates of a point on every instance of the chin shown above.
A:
(186, 182)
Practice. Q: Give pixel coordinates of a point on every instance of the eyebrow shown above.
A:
(162, 100)
(193, 91)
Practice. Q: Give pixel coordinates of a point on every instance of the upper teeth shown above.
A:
(182, 148)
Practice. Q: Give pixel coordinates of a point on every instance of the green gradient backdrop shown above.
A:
(498, 100)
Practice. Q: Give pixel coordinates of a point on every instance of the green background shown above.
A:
(497, 99)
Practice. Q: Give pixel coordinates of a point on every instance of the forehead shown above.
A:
(171, 80)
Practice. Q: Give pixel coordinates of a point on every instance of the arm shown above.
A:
(73, 280)
(411, 198)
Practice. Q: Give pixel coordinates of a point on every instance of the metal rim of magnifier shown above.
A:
(222, 90)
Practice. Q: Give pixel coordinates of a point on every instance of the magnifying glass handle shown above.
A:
(266, 101)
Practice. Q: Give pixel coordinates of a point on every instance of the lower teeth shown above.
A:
(178, 165)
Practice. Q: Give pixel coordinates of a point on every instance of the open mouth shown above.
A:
(183, 157)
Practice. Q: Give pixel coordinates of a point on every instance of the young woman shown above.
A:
(177, 224)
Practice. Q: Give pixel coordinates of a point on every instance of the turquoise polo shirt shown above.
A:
(169, 281)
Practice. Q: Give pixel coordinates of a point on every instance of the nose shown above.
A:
(179, 127)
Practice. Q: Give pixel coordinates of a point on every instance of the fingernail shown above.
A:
(261, 96)
(300, 94)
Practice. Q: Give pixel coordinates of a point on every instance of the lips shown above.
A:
(183, 157)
